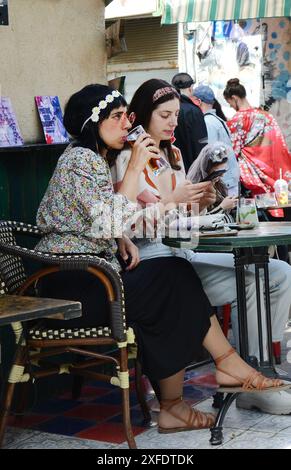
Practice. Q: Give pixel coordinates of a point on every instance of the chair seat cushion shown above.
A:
(69, 333)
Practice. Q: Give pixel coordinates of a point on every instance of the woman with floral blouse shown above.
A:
(170, 328)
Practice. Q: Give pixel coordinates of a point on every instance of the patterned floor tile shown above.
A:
(94, 411)
(274, 424)
(41, 440)
(108, 432)
(15, 436)
(28, 421)
(88, 393)
(259, 440)
(136, 416)
(115, 398)
(55, 407)
(65, 425)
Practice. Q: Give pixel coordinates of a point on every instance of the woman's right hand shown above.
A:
(143, 150)
(189, 192)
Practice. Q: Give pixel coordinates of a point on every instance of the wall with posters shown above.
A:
(50, 48)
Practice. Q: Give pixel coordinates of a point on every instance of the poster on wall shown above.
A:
(9, 130)
(3, 13)
(51, 117)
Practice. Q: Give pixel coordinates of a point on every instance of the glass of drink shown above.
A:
(248, 211)
(266, 200)
(157, 165)
(281, 191)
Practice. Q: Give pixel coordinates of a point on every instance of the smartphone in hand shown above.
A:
(213, 175)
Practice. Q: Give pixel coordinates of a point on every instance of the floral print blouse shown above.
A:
(80, 183)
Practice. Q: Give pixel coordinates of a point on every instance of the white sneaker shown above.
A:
(275, 403)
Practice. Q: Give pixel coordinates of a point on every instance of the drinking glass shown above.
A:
(157, 165)
(266, 200)
(247, 211)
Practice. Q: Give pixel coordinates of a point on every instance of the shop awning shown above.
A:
(187, 11)
(127, 9)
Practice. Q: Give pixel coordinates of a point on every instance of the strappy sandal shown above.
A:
(196, 419)
(246, 385)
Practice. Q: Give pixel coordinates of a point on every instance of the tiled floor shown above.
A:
(95, 421)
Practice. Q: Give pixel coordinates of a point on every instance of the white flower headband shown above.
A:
(101, 105)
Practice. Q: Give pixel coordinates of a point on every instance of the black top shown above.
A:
(191, 132)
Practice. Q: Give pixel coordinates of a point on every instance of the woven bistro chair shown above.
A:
(52, 342)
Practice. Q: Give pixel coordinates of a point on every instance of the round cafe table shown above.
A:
(249, 247)
(270, 208)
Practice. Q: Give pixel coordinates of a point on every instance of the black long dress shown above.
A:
(165, 305)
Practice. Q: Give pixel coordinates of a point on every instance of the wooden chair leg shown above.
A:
(140, 392)
(22, 397)
(9, 390)
(5, 409)
(125, 400)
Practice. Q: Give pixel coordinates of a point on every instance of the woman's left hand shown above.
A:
(128, 249)
(229, 203)
(208, 198)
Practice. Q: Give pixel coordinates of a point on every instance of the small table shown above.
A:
(15, 309)
(270, 208)
(248, 247)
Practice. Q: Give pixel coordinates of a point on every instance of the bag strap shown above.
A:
(220, 120)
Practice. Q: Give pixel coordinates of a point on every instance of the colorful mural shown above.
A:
(277, 71)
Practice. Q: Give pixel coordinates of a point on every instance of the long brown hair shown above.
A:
(143, 105)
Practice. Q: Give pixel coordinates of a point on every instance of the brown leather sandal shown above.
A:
(196, 419)
(246, 385)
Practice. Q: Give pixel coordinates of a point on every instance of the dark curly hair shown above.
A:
(79, 108)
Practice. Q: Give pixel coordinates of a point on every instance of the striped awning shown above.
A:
(187, 11)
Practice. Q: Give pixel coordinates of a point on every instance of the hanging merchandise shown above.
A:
(205, 44)
(237, 33)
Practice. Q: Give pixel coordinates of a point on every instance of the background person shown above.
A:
(191, 132)
(258, 142)
(212, 159)
(217, 131)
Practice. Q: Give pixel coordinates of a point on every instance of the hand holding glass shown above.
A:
(157, 165)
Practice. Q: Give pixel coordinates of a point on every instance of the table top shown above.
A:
(267, 233)
(269, 208)
(17, 308)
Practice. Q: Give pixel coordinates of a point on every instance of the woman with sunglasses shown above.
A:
(211, 165)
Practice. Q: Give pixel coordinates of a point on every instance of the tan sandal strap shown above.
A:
(168, 403)
(195, 417)
(221, 358)
(262, 382)
(247, 384)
